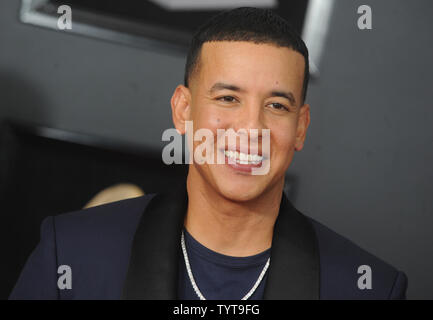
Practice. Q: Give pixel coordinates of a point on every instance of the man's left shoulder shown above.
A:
(350, 272)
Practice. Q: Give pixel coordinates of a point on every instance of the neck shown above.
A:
(228, 227)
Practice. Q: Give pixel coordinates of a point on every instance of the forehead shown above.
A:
(250, 64)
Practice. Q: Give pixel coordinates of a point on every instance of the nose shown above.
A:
(250, 122)
(250, 116)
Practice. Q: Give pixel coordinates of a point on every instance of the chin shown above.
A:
(240, 192)
(235, 187)
(239, 196)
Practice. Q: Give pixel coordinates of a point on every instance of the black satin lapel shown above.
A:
(153, 267)
(294, 272)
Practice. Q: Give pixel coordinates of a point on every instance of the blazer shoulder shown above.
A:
(96, 244)
(110, 225)
(349, 272)
(119, 216)
(38, 277)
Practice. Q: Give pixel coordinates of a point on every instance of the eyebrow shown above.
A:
(224, 86)
(221, 86)
(288, 95)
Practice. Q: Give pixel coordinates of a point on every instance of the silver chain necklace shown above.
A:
(194, 285)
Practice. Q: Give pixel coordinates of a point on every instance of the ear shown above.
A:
(303, 123)
(180, 107)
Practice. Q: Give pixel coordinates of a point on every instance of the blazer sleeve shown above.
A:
(398, 291)
(38, 279)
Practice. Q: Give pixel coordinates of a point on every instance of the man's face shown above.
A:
(242, 85)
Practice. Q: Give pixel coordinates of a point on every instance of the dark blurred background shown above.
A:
(80, 112)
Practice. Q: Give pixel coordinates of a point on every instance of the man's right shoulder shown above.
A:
(94, 242)
(113, 219)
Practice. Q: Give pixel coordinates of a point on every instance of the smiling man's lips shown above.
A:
(242, 167)
(235, 162)
(248, 150)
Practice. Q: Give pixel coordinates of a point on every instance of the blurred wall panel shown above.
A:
(366, 170)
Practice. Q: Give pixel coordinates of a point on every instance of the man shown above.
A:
(230, 234)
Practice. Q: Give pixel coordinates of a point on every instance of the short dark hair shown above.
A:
(247, 24)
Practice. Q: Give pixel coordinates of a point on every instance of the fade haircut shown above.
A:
(260, 26)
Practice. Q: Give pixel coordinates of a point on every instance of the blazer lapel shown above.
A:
(294, 272)
(153, 268)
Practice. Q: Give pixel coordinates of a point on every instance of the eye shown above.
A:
(226, 99)
(279, 106)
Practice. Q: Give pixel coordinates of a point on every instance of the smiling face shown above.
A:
(243, 85)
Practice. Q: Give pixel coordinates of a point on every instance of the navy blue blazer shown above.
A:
(130, 249)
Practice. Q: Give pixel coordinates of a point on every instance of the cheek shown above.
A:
(209, 118)
(283, 139)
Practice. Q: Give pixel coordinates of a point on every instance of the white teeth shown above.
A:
(243, 158)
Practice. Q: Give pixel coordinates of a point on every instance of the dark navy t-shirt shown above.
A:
(220, 277)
